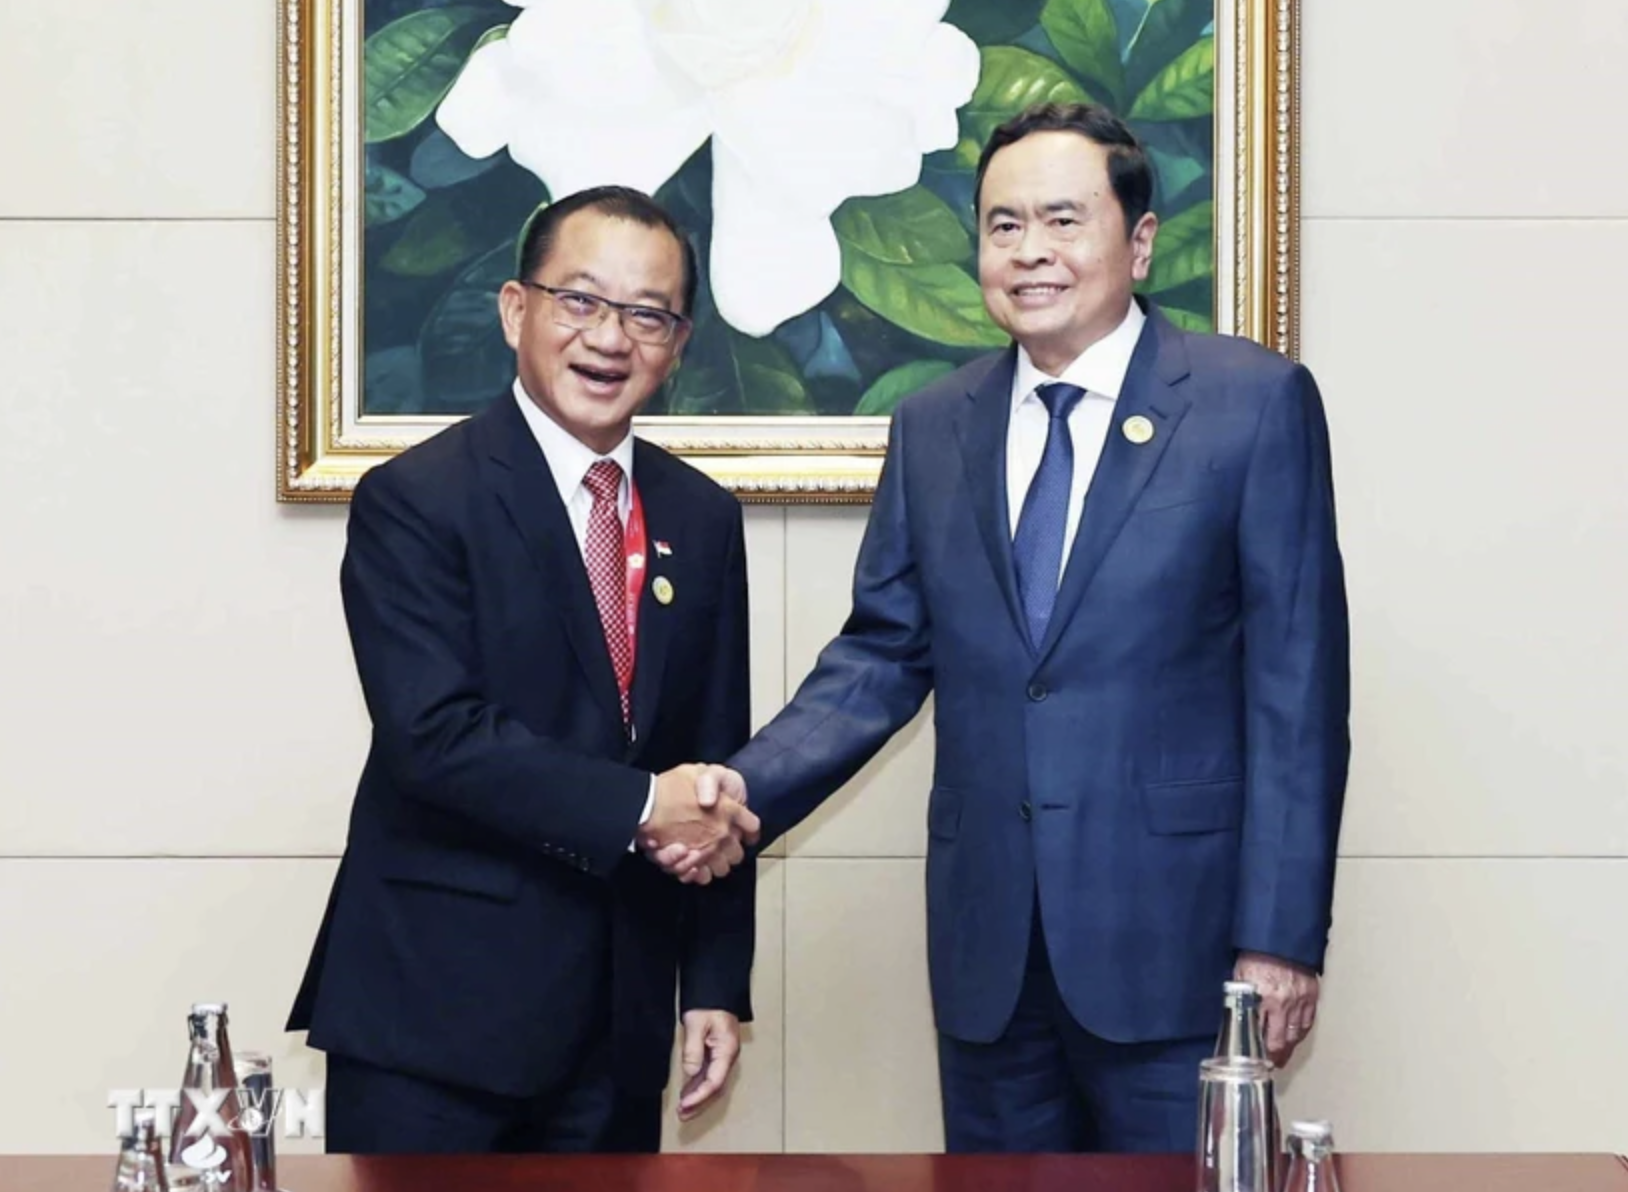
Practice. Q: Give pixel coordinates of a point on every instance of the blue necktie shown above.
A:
(1037, 549)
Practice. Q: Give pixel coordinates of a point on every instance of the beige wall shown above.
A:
(180, 728)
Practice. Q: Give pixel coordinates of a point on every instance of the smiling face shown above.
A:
(1054, 259)
(592, 382)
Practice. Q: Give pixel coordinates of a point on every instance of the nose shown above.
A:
(1033, 247)
(609, 338)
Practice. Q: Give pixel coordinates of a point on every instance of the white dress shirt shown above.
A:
(569, 460)
(1100, 371)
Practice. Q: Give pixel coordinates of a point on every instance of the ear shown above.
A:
(1142, 237)
(511, 310)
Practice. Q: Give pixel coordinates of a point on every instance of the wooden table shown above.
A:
(847, 1173)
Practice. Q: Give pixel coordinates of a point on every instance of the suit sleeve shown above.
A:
(868, 682)
(716, 966)
(408, 606)
(1296, 681)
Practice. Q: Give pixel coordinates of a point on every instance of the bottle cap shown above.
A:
(209, 1007)
(1312, 1131)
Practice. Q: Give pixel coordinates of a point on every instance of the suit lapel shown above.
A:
(1150, 391)
(983, 449)
(655, 619)
(525, 487)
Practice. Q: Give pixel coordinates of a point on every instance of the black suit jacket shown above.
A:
(488, 922)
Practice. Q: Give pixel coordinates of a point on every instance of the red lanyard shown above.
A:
(633, 544)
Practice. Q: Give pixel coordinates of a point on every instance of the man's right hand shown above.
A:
(692, 833)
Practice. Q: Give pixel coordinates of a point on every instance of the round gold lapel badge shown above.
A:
(1138, 429)
(662, 587)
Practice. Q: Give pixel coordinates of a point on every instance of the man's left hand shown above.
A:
(712, 1043)
(1288, 1001)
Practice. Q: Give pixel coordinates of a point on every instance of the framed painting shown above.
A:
(820, 154)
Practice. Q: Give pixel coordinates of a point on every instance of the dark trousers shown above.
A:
(372, 1111)
(1048, 1085)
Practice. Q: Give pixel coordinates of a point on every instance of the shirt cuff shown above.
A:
(649, 806)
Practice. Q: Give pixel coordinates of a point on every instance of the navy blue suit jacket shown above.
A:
(1168, 766)
(487, 922)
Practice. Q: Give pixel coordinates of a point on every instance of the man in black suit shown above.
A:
(548, 618)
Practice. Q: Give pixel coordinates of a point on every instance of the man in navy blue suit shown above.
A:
(549, 618)
(1110, 554)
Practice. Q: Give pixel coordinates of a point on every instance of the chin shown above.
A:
(1053, 326)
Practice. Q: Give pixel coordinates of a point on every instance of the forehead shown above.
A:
(615, 250)
(1046, 167)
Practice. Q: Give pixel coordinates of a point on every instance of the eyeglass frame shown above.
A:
(675, 321)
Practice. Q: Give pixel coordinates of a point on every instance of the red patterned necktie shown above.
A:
(607, 570)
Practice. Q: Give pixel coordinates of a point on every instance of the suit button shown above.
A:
(1037, 692)
(1026, 811)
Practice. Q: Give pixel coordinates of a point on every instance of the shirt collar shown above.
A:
(1100, 369)
(568, 457)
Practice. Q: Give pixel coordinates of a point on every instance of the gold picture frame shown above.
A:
(325, 443)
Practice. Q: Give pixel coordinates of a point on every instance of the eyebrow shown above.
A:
(643, 296)
(1051, 208)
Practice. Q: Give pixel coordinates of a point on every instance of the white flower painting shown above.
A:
(820, 153)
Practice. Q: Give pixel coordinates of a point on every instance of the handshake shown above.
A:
(699, 827)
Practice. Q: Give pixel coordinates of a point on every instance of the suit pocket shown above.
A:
(418, 864)
(943, 813)
(1190, 808)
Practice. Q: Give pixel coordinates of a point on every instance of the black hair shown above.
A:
(1129, 171)
(618, 202)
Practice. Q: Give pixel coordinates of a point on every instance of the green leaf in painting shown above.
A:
(941, 303)
(1168, 28)
(768, 378)
(1184, 249)
(434, 241)
(495, 33)
(898, 383)
(1189, 320)
(698, 387)
(393, 382)
(1087, 36)
(725, 372)
(466, 360)
(410, 65)
(1182, 90)
(912, 227)
(990, 21)
(1177, 172)
(389, 195)
(1010, 80)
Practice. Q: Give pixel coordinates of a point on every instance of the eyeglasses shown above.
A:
(584, 312)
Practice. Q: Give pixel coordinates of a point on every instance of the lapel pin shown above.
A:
(662, 549)
(663, 589)
(1138, 429)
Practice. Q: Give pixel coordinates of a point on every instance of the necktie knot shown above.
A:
(1059, 398)
(603, 480)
